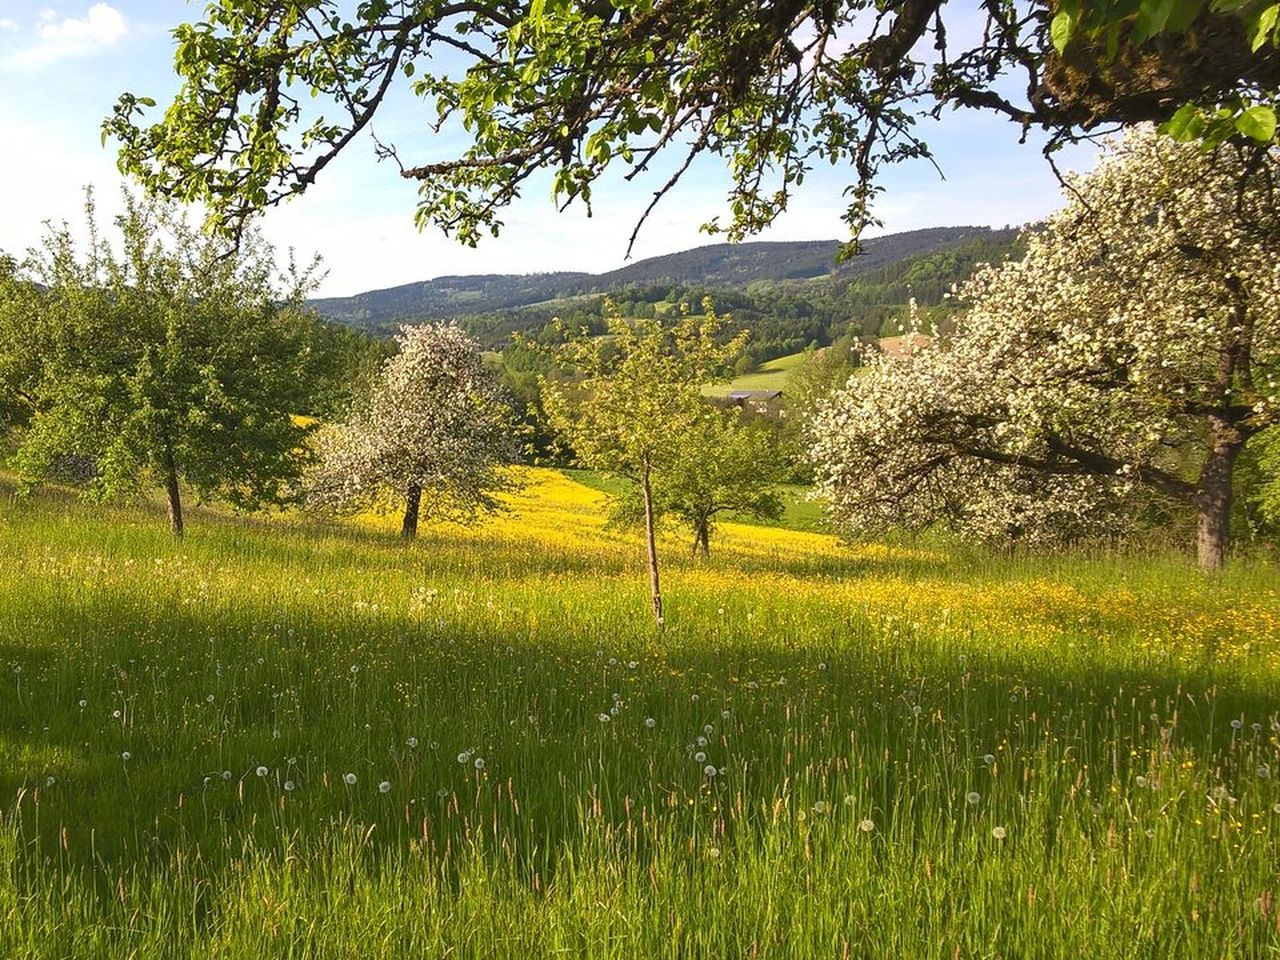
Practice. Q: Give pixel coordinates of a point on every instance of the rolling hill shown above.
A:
(719, 265)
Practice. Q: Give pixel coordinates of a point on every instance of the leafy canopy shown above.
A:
(163, 355)
(271, 92)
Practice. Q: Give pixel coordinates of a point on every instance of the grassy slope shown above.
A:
(833, 686)
(770, 376)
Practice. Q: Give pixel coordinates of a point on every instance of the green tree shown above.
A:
(171, 360)
(271, 92)
(722, 464)
(636, 398)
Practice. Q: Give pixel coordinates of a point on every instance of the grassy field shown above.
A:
(281, 739)
(771, 375)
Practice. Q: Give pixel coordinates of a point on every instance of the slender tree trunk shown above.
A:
(1213, 499)
(412, 503)
(175, 501)
(655, 590)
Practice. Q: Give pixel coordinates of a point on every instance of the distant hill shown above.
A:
(722, 265)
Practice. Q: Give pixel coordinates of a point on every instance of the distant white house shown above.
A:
(758, 401)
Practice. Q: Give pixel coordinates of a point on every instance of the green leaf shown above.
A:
(1183, 15)
(1258, 123)
(1186, 124)
(1152, 17)
(1061, 28)
(1266, 26)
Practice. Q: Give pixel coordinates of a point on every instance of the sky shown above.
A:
(62, 65)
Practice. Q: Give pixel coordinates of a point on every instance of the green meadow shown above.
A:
(277, 738)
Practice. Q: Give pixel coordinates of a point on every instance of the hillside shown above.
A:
(722, 265)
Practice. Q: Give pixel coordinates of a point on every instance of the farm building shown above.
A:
(759, 401)
(903, 346)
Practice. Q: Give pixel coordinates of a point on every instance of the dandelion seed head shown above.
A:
(384, 786)
(261, 771)
(709, 770)
(866, 826)
(650, 722)
(478, 763)
(999, 833)
(699, 757)
(288, 786)
(349, 779)
(972, 797)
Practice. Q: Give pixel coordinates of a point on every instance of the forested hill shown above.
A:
(721, 265)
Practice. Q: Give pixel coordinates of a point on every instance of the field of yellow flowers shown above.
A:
(281, 737)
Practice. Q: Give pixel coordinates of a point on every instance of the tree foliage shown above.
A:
(434, 435)
(1135, 347)
(168, 358)
(270, 93)
(635, 397)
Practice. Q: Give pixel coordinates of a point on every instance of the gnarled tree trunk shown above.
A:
(1213, 499)
(702, 538)
(412, 503)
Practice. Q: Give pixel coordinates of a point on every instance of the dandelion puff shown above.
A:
(463, 757)
(50, 781)
(694, 697)
(261, 771)
(604, 718)
(478, 763)
(701, 741)
(1275, 808)
(1237, 724)
(726, 714)
(208, 698)
(126, 755)
(848, 800)
(1264, 772)
(1141, 781)
(699, 757)
(83, 704)
(288, 786)
(972, 797)
(442, 793)
(822, 666)
(708, 729)
(723, 771)
(650, 722)
(709, 770)
(226, 774)
(384, 786)
(866, 826)
(115, 714)
(999, 833)
(355, 669)
(413, 743)
(988, 759)
(633, 664)
(349, 779)
(820, 807)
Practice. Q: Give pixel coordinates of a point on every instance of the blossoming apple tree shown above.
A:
(1132, 351)
(434, 435)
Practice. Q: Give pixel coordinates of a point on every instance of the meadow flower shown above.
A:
(603, 718)
(115, 714)
(261, 771)
(726, 714)
(701, 741)
(866, 826)
(633, 664)
(614, 709)
(478, 763)
(699, 757)
(1237, 724)
(999, 833)
(972, 797)
(413, 743)
(50, 781)
(822, 665)
(1140, 781)
(820, 807)
(693, 697)
(208, 698)
(355, 669)
(226, 774)
(709, 770)
(384, 786)
(126, 755)
(83, 704)
(464, 756)
(288, 786)
(349, 779)
(650, 722)
(988, 759)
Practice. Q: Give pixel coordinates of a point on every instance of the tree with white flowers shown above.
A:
(434, 435)
(1133, 351)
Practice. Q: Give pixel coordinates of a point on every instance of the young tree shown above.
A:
(435, 434)
(1135, 346)
(721, 465)
(170, 360)
(579, 86)
(636, 399)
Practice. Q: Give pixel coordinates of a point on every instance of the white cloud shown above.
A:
(8, 25)
(56, 38)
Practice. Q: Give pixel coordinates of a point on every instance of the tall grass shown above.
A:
(830, 752)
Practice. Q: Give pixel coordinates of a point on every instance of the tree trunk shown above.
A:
(655, 590)
(1213, 500)
(702, 538)
(175, 502)
(413, 501)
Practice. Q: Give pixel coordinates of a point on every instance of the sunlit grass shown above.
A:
(1050, 756)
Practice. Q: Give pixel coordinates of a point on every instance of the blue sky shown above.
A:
(62, 64)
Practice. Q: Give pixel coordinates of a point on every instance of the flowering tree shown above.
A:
(1134, 348)
(637, 393)
(435, 434)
